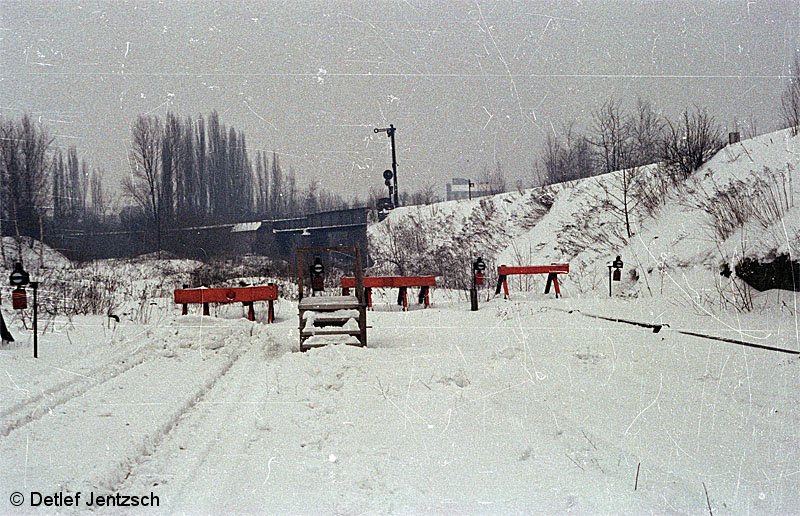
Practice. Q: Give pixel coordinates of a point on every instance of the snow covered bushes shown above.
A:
(764, 198)
(751, 209)
(444, 239)
(655, 185)
(95, 296)
(221, 272)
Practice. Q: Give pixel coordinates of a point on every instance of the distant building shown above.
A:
(458, 189)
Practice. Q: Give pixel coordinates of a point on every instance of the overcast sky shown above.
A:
(467, 84)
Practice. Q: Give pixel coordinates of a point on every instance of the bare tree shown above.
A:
(611, 136)
(329, 201)
(750, 129)
(405, 247)
(790, 100)
(59, 187)
(550, 159)
(217, 159)
(276, 201)
(77, 186)
(144, 182)
(373, 194)
(262, 184)
(624, 143)
(201, 159)
(187, 195)
(620, 194)
(311, 201)
(494, 179)
(23, 174)
(291, 194)
(239, 176)
(567, 157)
(691, 142)
(646, 133)
(426, 194)
(171, 180)
(99, 199)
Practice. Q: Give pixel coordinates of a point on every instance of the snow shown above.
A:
(520, 407)
(31, 253)
(529, 405)
(328, 301)
(335, 314)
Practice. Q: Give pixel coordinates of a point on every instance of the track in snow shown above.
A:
(43, 403)
(151, 443)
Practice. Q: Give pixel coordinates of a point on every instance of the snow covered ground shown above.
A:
(530, 405)
(520, 407)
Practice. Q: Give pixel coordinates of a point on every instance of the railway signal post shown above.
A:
(390, 133)
(616, 275)
(477, 279)
(18, 279)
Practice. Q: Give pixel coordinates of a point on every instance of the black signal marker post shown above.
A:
(317, 276)
(617, 266)
(35, 287)
(477, 279)
(390, 132)
(387, 179)
(19, 278)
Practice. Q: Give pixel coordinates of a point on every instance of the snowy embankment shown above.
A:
(743, 203)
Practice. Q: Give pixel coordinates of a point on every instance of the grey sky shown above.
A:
(466, 84)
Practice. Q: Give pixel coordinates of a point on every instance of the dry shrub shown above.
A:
(764, 199)
(222, 272)
(655, 186)
(416, 246)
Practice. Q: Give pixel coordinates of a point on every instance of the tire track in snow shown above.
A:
(150, 444)
(43, 403)
(204, 439)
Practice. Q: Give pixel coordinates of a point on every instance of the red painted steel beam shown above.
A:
(391, 281)
(560, 268)
(226, 295)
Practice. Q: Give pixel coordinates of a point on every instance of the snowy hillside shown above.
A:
(742, 203)
(32, 253)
